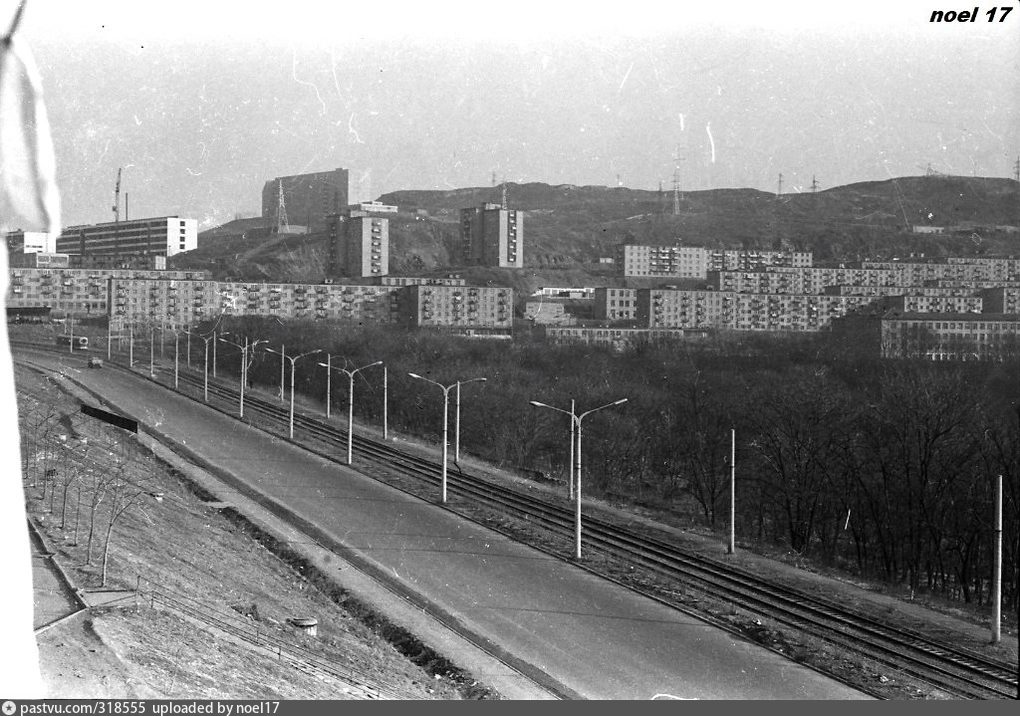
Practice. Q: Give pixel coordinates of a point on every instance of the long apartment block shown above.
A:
(183, 303)
(958, 268)
(79, 292)
(177, 299)
(728, 310)
(697, 261)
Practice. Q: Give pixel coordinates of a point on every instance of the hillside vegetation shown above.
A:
(567, 228)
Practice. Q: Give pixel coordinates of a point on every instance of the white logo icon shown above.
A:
(9, 708)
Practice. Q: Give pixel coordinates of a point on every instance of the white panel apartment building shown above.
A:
(696, 261)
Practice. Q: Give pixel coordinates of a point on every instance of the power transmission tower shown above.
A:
(677, 192)
(282, 226)
(780, 192)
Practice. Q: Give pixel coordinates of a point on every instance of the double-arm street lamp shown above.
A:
(293, 360)
(245, 348)
(575, 422)
(205, 370)
(328, 365)
(446, 412)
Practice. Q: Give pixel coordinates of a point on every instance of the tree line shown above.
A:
(884, 468)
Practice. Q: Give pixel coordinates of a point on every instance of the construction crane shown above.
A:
(116, 197)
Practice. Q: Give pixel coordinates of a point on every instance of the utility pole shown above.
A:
(733, 491)
(997, 566)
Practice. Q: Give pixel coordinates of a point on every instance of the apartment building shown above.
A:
(309, 199)
(916, 274)
(880, 291)
(470, 310)
(806, 280)
(492, 236)
(76, 292)
(615, 304)
(951, 337)
(935, 304)
(618, 338)
(126, 240)
(696, 261)
(419, 281)
(671, 308)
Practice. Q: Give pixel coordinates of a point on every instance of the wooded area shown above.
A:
(883, 468)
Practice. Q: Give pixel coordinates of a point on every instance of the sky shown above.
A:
(201, 103)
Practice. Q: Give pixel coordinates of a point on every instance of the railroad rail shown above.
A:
(959, 671)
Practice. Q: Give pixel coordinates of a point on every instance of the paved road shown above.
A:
(598, 639)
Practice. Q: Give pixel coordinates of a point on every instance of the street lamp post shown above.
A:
(293, 360)
(205, 369)
(350, 399)
(152, 350)
(446, 413)
(283, 354)
(177, 341)
(575, 421)
(244, 364)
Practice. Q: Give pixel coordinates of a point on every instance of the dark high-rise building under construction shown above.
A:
(309, 198)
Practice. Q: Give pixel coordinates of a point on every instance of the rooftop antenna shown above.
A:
(282, 227)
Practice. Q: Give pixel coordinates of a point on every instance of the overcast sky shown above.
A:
(202, 102)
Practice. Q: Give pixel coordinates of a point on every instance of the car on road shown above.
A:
(95, 362)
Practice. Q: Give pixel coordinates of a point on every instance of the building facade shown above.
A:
(618, 338)
(362, 247)
(492, 236)
(137, 239)
(696, 261)
(672, 308)
(956, 337)
(615, 304)
(309, 199)
(77, 292)
(30, 242)
(469, 310)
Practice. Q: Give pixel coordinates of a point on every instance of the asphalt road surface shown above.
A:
(596, 638)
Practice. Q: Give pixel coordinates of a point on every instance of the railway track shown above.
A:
(958, 671)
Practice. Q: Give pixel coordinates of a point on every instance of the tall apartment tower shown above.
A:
(310, 198)
(359, 244)
(492, 236)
